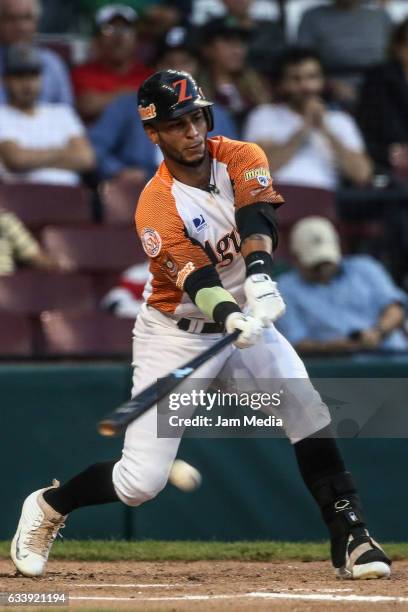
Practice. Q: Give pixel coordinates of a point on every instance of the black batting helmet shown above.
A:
(169, 94)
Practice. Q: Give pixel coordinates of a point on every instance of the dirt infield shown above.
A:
(208, 586)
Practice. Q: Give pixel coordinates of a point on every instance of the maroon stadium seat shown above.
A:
(305, 201)
(38, 205)
(95, 248)
(15, 335)
(92, 333)
(104, 282)
(119, 198)
(32, 292)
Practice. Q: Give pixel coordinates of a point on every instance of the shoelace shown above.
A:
(43, 534)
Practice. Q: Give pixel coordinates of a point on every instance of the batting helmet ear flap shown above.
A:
(209, 117)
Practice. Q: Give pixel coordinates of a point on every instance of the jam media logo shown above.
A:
(200, 223)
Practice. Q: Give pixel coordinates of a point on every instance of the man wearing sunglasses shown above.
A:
(114, 70)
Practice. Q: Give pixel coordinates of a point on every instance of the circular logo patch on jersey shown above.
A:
(263, 181)
(151, 242)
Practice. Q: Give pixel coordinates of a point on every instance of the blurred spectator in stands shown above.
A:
(160, 17)
(350, 38)
(122, 148)
(114, 69)
(266, 38)
(225, 77)
(18, 24)
(90, 7)
(306, 142)
(126, 298)
(177, 51)
(382, 111)
(58, 16)
(156, 17)
(39, 142)
(18, 246)
(334, 303)
(205, 10)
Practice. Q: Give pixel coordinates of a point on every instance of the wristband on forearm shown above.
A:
(223, 310)
(216, 303)
(259, 262)
(206, 291)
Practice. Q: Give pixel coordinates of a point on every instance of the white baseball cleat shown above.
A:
(38, 527)
(365, 559)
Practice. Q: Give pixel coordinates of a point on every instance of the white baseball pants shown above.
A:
(159, 347)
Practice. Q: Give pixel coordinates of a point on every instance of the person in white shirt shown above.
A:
(307, 143)
(39, 142)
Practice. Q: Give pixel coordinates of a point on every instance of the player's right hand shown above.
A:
(251, 329)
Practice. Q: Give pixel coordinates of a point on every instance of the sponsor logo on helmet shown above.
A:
(147, 112)
(184, 273)
(182, 89)
(256, 173)
(151, 242)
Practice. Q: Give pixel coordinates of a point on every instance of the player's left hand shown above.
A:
(264, 299)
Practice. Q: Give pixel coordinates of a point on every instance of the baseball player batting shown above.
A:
(207, 224)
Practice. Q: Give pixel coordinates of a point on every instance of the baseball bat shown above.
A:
(117, 421)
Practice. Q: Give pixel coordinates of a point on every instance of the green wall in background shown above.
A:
(251, 488)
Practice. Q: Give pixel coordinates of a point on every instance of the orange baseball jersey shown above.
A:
(184, 228)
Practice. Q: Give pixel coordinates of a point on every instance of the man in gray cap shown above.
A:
(114, 70)
(38, 142)
(338, 304)
(18, 25)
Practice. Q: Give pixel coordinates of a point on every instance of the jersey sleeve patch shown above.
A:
(248, 169)
(151, 241)
(262, 175)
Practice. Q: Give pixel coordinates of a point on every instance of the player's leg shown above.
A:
(307, 424)
(144, 467)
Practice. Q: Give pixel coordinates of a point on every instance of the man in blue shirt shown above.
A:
(18, 25)
(338, 304)
(119, 140)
